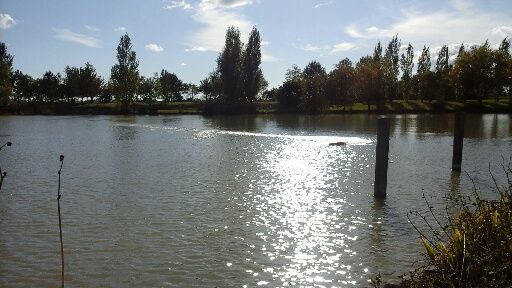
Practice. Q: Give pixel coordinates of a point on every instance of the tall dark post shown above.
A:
(60, 225)
(458, 137)
(381, 166)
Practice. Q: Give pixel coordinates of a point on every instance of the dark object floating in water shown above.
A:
(338, 144)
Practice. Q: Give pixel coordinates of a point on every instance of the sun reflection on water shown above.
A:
(303, 230)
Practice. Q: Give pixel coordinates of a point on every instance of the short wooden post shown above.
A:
(458, 137)
(381, 166)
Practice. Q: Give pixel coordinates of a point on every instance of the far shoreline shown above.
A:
(396, 107)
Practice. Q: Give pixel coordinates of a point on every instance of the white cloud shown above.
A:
(227, 3)
(461, 22)
(92, 28)
(183, 64)
(196, 48)
(6, 21)
(311, 48)
(501, 31)
(68, 35)
(120, 29)
(342, 47)
(178, 4)
(154, 47)
(322, 4)
(216, 16)
(332, 49)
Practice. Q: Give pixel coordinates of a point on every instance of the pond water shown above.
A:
(232, 201)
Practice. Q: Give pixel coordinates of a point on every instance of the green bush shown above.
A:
(473, 250)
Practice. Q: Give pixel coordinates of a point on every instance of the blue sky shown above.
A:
(185, 36)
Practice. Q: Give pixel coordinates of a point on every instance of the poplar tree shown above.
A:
(407, 64)
(442, 86)
(124, 75)
(377, 52)
(228, 66)
(391, 68)
(424, 73)
(5, 74)
(252, 77)
(442, 59)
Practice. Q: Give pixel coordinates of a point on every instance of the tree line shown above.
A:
(237, 79)
(474, 73)
(125, 85)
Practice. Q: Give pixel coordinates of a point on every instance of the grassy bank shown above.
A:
(181, 108)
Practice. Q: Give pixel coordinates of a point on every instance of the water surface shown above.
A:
(234, 201)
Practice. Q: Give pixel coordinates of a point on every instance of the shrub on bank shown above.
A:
(473, 250)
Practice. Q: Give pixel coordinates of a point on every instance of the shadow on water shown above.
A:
(454, 194)
(250, 123)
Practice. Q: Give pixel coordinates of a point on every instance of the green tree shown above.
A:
(368, 81)
(90, 82)
(456, 80)
(270, 95)
(442, 75)
(390, 67)
(171, 86)
(211, 87)
(124, 75)
(106, 93)
(407, 64)
(442, 63)
(49, 87)
(6, 60)
(149, 89)
(314, 80)
(289, 94)
(503, 69)
(474, 70)
(72, 86)
(191, 90)
(228, 66)
(23, 87)
(251, 76)
(377, 52)
(424, 75)
(341, 79)
(378, 66)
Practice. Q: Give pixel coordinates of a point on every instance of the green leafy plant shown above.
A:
(474, 249)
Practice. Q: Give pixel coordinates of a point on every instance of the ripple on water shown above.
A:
(187, 201)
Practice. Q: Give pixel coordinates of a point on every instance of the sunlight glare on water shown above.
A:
(301, 218)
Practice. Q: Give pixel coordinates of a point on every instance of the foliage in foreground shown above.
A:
(473, 250)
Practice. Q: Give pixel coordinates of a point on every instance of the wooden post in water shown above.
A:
(381, 166)
(458, 137)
